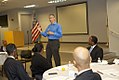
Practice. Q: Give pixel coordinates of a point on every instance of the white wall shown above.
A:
(2, 30)
(113, 22)
(96, 17)
(14, 23)
(13, 20)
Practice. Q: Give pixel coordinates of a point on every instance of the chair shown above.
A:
(26, 56)
(110, 56)
(3, 57)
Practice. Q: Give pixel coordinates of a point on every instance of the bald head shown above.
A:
(82, 57)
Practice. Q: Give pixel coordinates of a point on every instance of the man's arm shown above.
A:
(43, 33)
(100, 53)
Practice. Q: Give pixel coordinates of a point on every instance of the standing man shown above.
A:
(14, 69)
(53, 32)
(82, 63)
(95, 51)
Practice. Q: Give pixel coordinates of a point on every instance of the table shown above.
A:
(3, 57)
(107, 72)
(64, 72)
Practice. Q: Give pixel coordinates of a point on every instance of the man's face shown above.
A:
(51, 18)
(15, 54)
(5, 43)
(90, 41)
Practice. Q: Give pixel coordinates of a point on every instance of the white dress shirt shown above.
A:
(11, 57)
(92, 47)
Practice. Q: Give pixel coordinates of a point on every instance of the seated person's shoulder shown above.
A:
(100, 48)
(18, 62)
(97, 76)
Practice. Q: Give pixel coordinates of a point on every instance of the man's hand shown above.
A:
(40, 29)
(50, 33)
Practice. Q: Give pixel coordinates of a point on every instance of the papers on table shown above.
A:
(104, 62)
(106, 71)
(112, 73)
(110, 79)
(116, 61)
(60, 78)
(57, 78)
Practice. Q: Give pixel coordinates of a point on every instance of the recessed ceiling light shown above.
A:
(4, 0)
(30, 6)
(56, 1)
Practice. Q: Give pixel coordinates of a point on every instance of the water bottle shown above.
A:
(70, 70)
(69, 64)
(99, 61)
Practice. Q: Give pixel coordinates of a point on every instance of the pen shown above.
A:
(100, 72)
(112, 74)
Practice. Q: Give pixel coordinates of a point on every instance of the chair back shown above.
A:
(26, 54)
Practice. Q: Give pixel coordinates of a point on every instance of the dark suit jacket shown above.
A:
(1, 49)
(88, 75)
(39, 64)
(14, 70)
(96, 53)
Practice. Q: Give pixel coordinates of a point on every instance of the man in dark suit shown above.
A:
(82, 63)
(39, 64)
(14, 69)
(96, 52)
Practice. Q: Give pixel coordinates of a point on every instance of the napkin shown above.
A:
(116, 61)
(58, 78)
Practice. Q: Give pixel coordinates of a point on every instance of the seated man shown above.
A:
(3, 47)
(96, 52)
(14, 69)
(82, 63)
(39, 64)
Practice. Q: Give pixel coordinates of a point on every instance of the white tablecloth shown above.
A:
(107, 72)
(3, 57)
(63, 73)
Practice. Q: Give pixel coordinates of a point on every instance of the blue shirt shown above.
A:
(56, 29)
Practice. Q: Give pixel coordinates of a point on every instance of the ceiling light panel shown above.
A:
(55, 1)
(30, 6)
